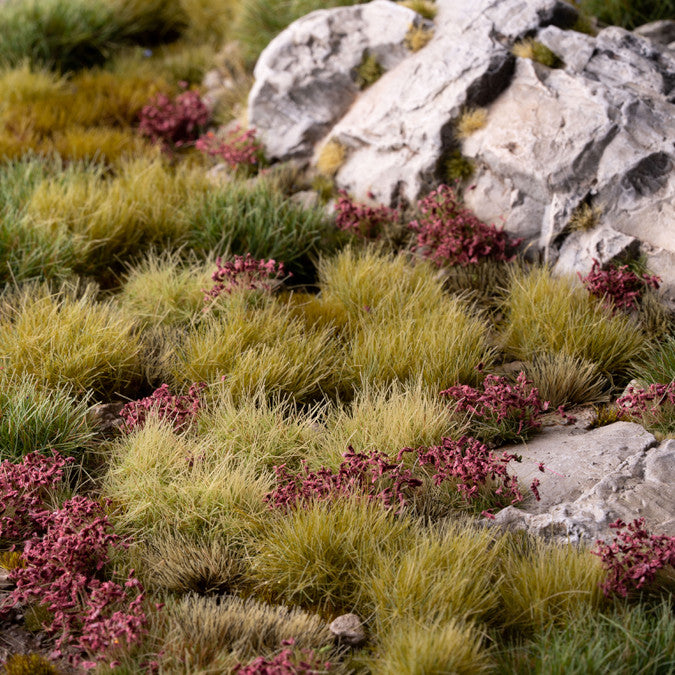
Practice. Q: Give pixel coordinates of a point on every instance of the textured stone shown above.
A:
(661, 32)
(608, 482)
(305, 78)
(348, 630)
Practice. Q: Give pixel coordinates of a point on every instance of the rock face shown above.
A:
(591, 479)
(599, 132)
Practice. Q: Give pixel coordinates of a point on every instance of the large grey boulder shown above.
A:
(591, 479)
(597, 132)
(305, 79)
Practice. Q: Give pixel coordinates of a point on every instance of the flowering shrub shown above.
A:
(620, 287)
(502, 411)
(449, 234)
(633, 557)
(367, 222)
(64, 553)
(244, 272)
(653, 407)
(239, 148)
(285, 663)
(471, 466)
(174, 123)
(23, 488)
(181, 411)
(372, 475)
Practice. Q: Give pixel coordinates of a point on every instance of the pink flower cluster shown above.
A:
(239, 148)
(64, 553)
(633, 557)
(620, 287)
(372, 475)
(502, 411)
(181, 411)
(450, 234)
(244, 272)
(367, 222)
(174, 123)
(285, 663)
(23, 488)
(470, 465)
(638, 400)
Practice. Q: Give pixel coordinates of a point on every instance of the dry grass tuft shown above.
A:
(563, 379)
(585, 217)
(68, 338)
(536, 51)
(547, 314)
(443, 647)
(417, 37)
(331, 157)
(471, 120)
(425, 8)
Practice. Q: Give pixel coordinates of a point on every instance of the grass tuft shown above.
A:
(547, 314)
(369, 71)
(658, 366)
(470, 121)
(425, 8)
(536, 51)
(585, 217)
(417, 37)
(331, 157)
(68, 339)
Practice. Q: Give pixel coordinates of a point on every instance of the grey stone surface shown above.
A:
(305, 78)
(348, 630)
(661, 32)
(619, 473)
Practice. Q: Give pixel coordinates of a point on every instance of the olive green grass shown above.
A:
(249, 348)
(269, 432)
(418, 37)
(562, 379)
(35, 419)
(431, 649)
(536, 51)
(369, 70)
(547, 584)
(585, 217)
(29, 664)
(179, 564)
(658, 365)
(260, 221)
(194, 487)
(166, 290)
(208, 627)
(387, 419)
(485, 283)
(318, 557)
(556, 314)
(454, 166)
(68, 338)
(629, 14)
(425, 8)
(655, 317)
(60, 34)
(259, 21)
(627, 640)
(113, 218)
(446, 572)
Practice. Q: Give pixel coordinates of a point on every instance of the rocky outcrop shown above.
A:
(596, 133)
(592, 478)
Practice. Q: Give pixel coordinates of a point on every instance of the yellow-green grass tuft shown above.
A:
(68, 338)
(11, 560)
(204, 632)
(442, 648)
(456, 167)
(162, 480)
(451, 572)
(147, 202)
(331, 157)
(180, 564)
(585, 217)
(387, 420)
(470, 121)
(267, 432)
(164, 290)
(536, 51)
(368, 71)
(417, 37)
(556, 314)
(318, 557)
(548, 584)
(317, 310)
(29, 664)
(425, 8)
(102, 144)
(251, 349)
(563, 379)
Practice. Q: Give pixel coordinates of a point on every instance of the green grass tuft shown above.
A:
(629, 13)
